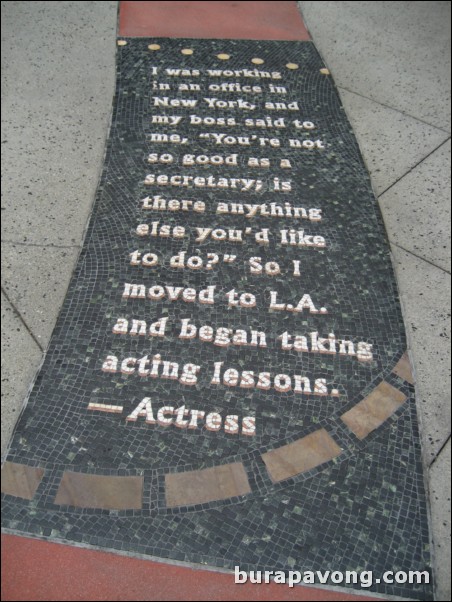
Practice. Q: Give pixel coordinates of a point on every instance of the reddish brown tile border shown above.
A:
(301, 455)
(223, 20)
(403, 369)
(40, 570)
(21, 480)
(373, 410)
(99, 491)
(208, 485)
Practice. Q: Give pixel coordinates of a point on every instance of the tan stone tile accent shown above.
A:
(99, 491)
(301, 455)
(208, 485)
(373, 410)
(21, 480)
(403, 369)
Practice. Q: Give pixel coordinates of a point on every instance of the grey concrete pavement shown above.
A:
(392, 143)
(416, 209)
(57, 84)
(21, 357)
(439, 492)
(58, 73)
(395, 53)
(36, 278)
(392, 65)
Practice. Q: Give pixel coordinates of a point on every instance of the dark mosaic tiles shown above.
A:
(331, 478)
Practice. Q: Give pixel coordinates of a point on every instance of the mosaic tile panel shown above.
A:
(234, 300)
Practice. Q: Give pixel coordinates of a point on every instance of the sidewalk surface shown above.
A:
(391, 63)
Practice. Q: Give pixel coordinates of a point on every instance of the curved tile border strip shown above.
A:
(300, 456)
(208, 485)
(98, 491)
(373, 410)
(223, 482)
(403, 369)
(21, 480)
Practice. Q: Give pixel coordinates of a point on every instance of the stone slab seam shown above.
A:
(20, 317)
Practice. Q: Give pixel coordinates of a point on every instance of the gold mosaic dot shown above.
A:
(324, 71)
(122, 42)
(154, 46)
(257, 61)
(292, 66)
(187, 51)
(223, 57)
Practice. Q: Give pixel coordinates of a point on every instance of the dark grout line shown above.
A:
(395, 109)
(19, 315)
(414, 167)
(439, 452)
(26, 244)
(419, 257)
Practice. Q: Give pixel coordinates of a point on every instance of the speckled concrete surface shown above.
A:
(57, 87)
(21, 357)
(35, 278)
(396, 53)
(392, 143)
(425, 294)
(416, 209)
(391, 62)
(440, 491)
